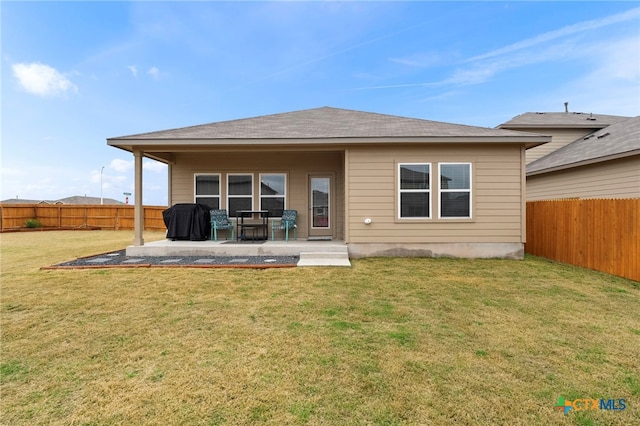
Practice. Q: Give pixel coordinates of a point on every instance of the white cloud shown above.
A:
(562, 32)
(42, 80)
(559, 45)
(133, 69)
(154, 166)
(121, 166)
(618, 60)
(153, 72)
(612, 85)
(106, 183)
(546, 47)
(482, 71)
(421, 60)
(124, 166)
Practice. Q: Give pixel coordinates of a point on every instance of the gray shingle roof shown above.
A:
(616, 140)
(77, 199)
(562, 119)
(83, 199)
(323, 123)
(25, 201)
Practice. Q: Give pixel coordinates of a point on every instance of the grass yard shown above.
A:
(388, 341)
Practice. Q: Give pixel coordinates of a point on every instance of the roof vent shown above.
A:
(588, 137)
(566, 107)
(591, 117)
(603, 135)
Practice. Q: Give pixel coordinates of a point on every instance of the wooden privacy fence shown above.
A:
(78, 216)
(600, 234)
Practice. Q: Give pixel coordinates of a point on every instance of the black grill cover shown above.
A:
(187, 222)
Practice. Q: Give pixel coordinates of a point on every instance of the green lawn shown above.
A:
(388, 341)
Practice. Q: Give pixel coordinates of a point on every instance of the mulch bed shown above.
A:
(119, 259)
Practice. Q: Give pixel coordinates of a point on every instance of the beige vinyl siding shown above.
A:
(296, 165)
(560, 138)
(496, 190)
(612, 179)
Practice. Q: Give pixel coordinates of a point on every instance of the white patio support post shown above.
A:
(169, 180)
(138, 209)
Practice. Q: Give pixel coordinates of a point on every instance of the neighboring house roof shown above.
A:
(570, 120)
(323, 123)
(615, 141)
(78, 199)
(25, 201)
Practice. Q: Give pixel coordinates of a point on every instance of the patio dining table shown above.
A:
(243, 226)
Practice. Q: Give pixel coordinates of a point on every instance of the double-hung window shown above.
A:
(455, 190)
(239, 192)
(273, 193)
(414, 190)
(207, 190)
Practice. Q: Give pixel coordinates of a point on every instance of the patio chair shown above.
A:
(220, 221)
(287, 222)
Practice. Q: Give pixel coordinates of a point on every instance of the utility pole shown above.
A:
(101, 199)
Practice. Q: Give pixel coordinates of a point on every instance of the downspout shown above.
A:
(138, 209)
(523, 193)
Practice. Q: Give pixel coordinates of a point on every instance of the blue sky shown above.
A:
(76, 73)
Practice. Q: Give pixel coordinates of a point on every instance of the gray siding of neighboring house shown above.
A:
(612, 179)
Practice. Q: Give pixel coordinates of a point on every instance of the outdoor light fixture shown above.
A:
(368, 221)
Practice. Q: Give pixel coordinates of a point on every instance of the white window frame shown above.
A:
(229, 195)
(284, 195)
(404, 191)
(195, 188)
(441, 190)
